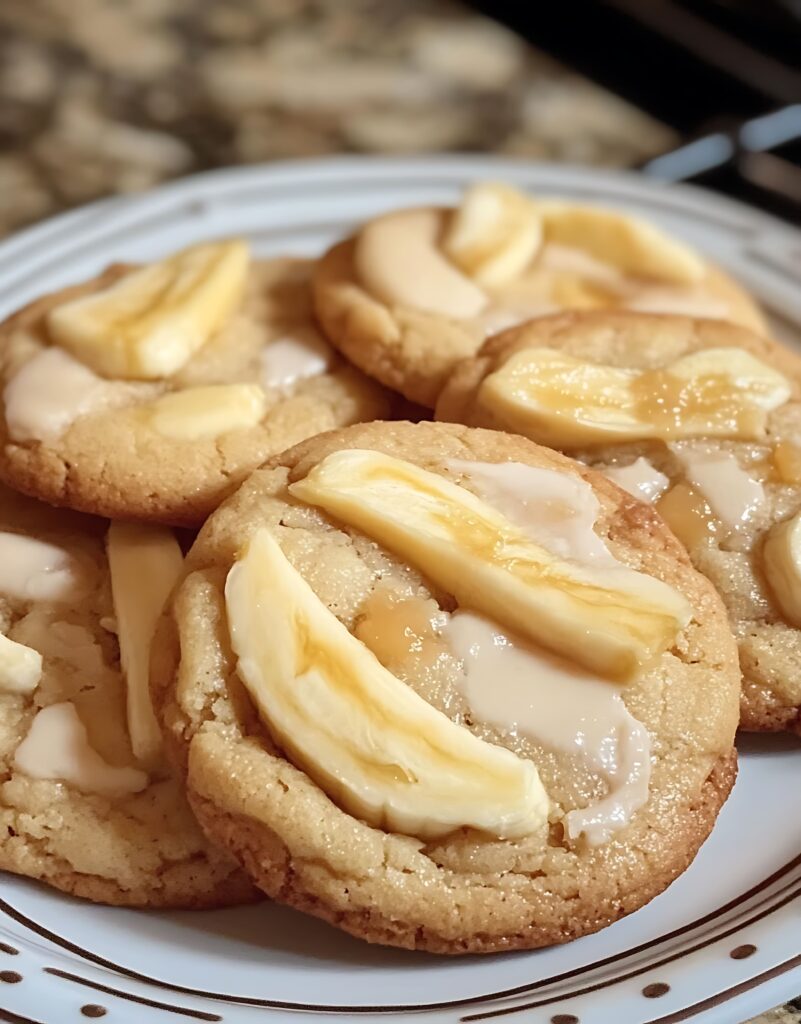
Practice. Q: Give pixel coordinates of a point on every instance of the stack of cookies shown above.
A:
(464, 684)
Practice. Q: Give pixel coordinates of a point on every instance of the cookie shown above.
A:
(361, 726)
(77, 809)
(415, 291)
(150, 394)
(729, 486)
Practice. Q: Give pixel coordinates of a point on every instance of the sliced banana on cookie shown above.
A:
(151, 321)
(398, 258)
(610, 620)
(494, 234)
(497, 231)
(632, 245)
(781, 557)
(204, 412)
(367, 739)
(145, 563)
(564, 401)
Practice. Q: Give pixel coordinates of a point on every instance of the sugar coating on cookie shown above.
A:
(328, 668)
(149, 393)
(77, 809)
(723, 467)
(415, 291)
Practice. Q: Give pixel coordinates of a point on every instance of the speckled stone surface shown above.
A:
(101, 97)
(788, 1014)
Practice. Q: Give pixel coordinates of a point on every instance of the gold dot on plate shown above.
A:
(655, 990)
(742, 952)
(93, 1010)
(564, 1018)
(11, 977)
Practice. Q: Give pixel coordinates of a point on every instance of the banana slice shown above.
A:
(150, 322)
(145, 563)
(565, 402)
(781, 557)
(368, 740)
(787, 462)
(399, 260)
(609, 620)
(198, 413)
(20, 667)
(632, 245)
(494, 234)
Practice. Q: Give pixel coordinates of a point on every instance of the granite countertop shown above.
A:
(101, 97)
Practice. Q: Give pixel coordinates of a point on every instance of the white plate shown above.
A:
(723, 943)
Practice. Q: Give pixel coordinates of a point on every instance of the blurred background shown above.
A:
(101, 97)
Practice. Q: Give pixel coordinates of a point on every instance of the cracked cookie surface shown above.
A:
(112, 462)
(466, 892)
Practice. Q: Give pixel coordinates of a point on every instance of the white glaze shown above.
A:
(515, 687)
(557, 510)
(57, 747)
(640, 478)
(733, 495)
(296, 356)
(33, 570)
(49, 393)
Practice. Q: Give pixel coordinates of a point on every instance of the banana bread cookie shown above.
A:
(150, 393)
(700, 418)
(447, 690)
(78, 809)
(415, 291)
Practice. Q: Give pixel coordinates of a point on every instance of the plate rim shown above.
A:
(484, 998)
(744, 220)
(347, 165)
